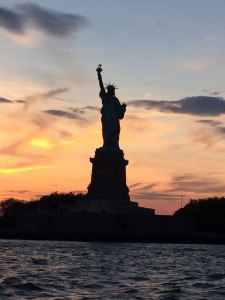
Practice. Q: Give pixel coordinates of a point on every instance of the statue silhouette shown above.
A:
(112, 111)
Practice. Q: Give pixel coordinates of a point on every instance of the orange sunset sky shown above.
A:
(166, 57)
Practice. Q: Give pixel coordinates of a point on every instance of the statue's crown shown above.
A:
(111, 86)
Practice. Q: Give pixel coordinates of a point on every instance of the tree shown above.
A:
(209, 213)
(51, 202)
(9, 208)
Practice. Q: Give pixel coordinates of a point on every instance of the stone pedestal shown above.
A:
(108, 179)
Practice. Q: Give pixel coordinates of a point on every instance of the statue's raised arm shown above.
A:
(99, 70)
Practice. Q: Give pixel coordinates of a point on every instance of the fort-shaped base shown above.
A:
(108, 179)
(108, 191)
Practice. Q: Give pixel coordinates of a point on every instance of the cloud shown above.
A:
(155, 196)
(3, 100)
(14, 149)
(178, 185)
(182, 177)
(134, 185)
(48, 21)
(74, 112)
(93, 108)
(199, 105)
(197, 184)
(65, 134)
(61, 113)
(221, 129)
(148, 192)
(54, 92)
(21, 101)
(211, 123)
(43, 96)
(214, 93)
(48, 94)
(77, 110)
(149, 186)
(217, 126)
(84, 109)
(9, 171)
(19, 191)
(11, 20)
(143, 188)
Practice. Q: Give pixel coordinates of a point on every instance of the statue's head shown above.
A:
(111, 89)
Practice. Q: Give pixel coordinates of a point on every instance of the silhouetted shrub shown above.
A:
(209, 213)
(51, 202)
(11, 207)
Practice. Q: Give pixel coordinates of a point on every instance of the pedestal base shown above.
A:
(108, 179)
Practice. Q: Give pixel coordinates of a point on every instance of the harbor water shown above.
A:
(63, 270)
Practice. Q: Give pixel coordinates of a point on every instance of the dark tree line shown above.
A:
(11, 207)
(208, 213)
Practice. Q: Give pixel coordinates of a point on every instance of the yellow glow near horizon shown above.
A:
(19, 170)
(45, 144)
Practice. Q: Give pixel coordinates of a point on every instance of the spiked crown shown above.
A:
(111, 86)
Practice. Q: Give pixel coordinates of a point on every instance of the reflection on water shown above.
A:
(79, 270)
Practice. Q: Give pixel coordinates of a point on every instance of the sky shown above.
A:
(168, 60)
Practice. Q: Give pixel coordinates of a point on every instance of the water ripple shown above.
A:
(81, 271)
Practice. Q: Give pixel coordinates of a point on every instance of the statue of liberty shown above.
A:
(112, 112)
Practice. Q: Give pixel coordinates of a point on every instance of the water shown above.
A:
(82, 270)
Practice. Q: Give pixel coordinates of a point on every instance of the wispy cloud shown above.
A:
(149, 186)
(148, 192)
(213, 93)
(135, 185)
(185, 184)
(48, 21)
(92, 108)
(3, 100)
(215, 128)
(61, 113)
(21, 101)
(196, 184)
(18, 191)
(8, 171)
(198, 105)
(73, 112)
(11, 20)
(212, 123)
(14, 149)
(155, 196)
(43, 96)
